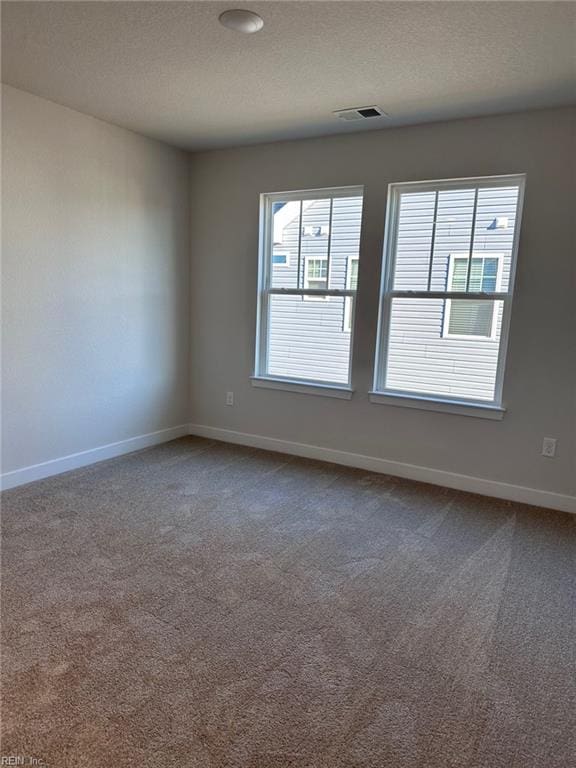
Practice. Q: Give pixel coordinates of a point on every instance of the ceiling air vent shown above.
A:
(359, 113)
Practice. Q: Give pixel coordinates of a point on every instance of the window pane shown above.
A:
(421, 359)
(353, 274)
(307, 340)
(284, 232)
(489, 275)
(449, 238)
(453, 234)
(345, 238)
(314, 243)
(316, 273)
(424, 252)
(414, 240)
(459, 274)
(301, 232)
(495, 225)
(313, 246)
(484, 274)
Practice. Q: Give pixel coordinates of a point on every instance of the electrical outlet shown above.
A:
(549, 447)
(229, 398)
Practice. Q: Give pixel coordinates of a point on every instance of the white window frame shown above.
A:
(261, 378)
(493, 409)
(448, 306)
(347, 321)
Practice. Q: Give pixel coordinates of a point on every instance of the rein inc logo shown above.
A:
(21, 760)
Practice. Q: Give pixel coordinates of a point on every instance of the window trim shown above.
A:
(448, 307)
(387, 292)
(479, 409)
(348, 302)
(303, 386)
(265, 289)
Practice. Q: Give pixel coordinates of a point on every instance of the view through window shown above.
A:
(447, 288)
(306, 300)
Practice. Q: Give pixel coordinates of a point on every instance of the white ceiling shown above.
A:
(170, 71)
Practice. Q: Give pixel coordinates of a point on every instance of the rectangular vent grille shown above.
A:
(359, 113)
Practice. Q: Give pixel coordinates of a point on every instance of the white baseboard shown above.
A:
(468, 483)
(84, 458)
(482, 486)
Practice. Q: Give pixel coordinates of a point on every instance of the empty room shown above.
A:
(288, 384)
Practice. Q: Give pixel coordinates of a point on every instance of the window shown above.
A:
(469, 319)
(281, 259)
(316, 276)
(446, 293)
(302, 301)
(316, 273)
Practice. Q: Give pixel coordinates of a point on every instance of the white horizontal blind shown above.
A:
(470, 318)
(447, 288)
(305, 308)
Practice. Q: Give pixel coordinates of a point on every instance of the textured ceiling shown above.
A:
(170, 71)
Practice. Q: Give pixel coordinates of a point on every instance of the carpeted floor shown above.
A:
(202, 605)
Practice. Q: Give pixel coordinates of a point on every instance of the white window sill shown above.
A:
(288, 385)
(478, 410)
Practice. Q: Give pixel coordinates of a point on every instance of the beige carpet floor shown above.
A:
(201, 605)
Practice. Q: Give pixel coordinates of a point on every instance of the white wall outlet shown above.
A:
(229, 398)
(549, 447)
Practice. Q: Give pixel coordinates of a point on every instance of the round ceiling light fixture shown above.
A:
(241, 21)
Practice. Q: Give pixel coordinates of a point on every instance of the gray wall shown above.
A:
(539, 385)
(95, 283)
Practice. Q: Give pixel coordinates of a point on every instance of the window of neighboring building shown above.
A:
(446, 297)
(469, 319)
(316, 273)
(316, 276)
(281, 259)
(319, 233)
